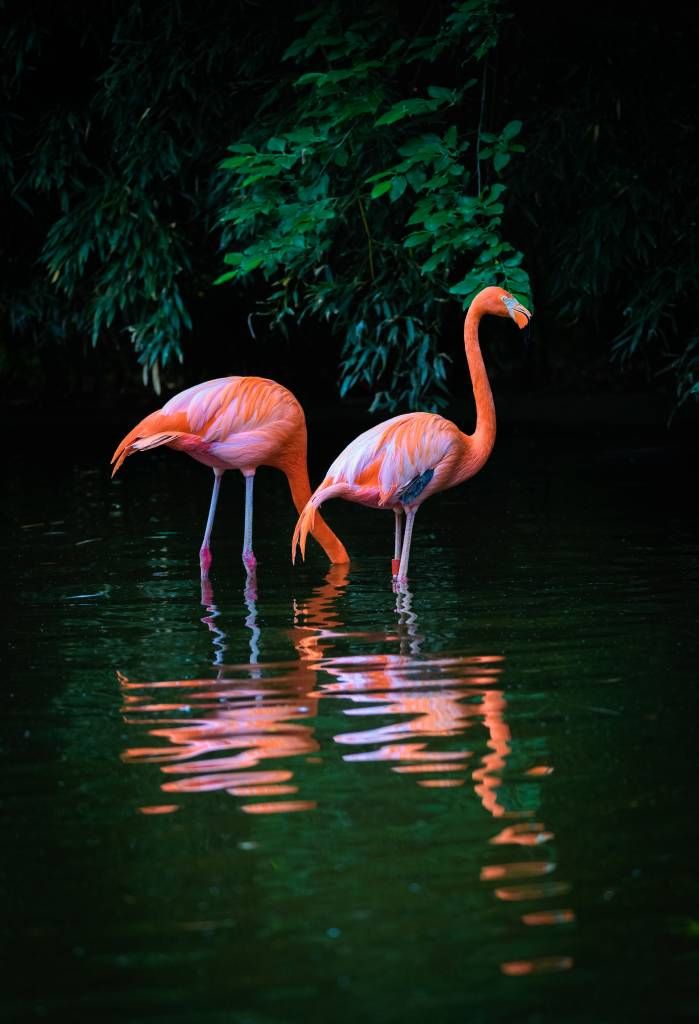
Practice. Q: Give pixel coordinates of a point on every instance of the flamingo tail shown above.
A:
(307, 521)
(304, 526)
(132, 444)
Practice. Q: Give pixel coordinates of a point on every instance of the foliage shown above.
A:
(615, 212)
(368, 195)
(122, 168)
(368, 188)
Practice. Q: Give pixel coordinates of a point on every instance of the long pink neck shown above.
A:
(480, 443)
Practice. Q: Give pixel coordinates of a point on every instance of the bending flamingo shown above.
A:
(399, 463)
(235, 423)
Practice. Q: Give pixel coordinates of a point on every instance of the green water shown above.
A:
(473, 801)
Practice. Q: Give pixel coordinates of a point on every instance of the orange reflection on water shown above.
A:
(539, 917)
(538, 965)
(524, 869)
(435, 722)
(221, 732)
(262, 790)
(159, 809)
(440, 783)
(526, 833)
(280, 806)
(532, 892)
(489, 776)
(427, 701)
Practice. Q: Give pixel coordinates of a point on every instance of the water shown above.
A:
(473, 801)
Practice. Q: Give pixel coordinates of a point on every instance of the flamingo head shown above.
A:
(498, 302)
(519, 313)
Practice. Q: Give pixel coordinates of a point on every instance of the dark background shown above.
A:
(607, 95)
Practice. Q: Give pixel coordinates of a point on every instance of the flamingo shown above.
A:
(399, 463)
(235, 423)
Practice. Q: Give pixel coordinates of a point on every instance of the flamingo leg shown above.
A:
(395, 562)
(205, 549)
(407, 538)
(249, 560)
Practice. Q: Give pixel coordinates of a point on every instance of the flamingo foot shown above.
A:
(205, 560)
(250, 562)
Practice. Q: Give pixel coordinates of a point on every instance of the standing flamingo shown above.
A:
(235, 423)
(399, 463)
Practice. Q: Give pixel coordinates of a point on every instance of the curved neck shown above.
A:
(483, 438)
(299, 484)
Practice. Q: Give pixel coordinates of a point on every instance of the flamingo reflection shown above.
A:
(428, 701)
(435, 722)
(219, 636)
(221, 732)
(430, 704)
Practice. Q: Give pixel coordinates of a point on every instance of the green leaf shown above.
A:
(398, 186)
(406, 108)
(511, 129)
(432, 263)
(233, 162)
(417, 238)
(438, 92)
(438, 220)
(380, 189)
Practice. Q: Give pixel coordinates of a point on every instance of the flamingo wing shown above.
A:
(242, 421)
(228, 422)
(395, 461)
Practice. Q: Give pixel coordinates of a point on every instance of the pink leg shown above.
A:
(249, 560)
(395, 561)
(407, 538)
(205, 549)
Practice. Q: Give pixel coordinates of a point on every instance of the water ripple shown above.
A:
(254, 734)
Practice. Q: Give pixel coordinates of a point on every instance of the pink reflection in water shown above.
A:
(427, 701)
(220, 733)
(436, 723)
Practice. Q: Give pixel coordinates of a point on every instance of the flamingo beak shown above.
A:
(520, 314)
(521, 317)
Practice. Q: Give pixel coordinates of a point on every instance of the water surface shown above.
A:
(319, 799)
